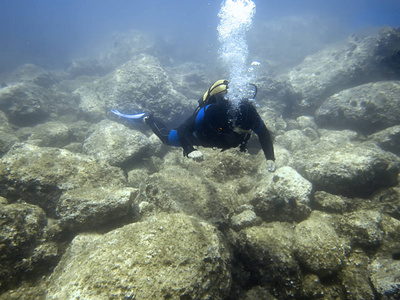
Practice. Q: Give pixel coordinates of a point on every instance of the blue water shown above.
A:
(52, 32)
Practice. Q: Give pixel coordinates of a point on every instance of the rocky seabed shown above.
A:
(95, 208)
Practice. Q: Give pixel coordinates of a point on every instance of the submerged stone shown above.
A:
(39, 175)
(366, 108)
(318, 247)
(169, 256)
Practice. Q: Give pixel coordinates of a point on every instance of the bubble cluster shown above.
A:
(236, 17)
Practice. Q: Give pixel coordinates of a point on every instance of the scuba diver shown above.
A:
(215, 123)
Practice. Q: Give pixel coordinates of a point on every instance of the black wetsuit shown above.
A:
(216, 125)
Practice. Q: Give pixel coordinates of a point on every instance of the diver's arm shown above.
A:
(265, 139)
(185, 134)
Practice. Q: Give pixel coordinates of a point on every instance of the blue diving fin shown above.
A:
(135, 118)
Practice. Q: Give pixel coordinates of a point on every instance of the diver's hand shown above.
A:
(271, 165)
(196, 155)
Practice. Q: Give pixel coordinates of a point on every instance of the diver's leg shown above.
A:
(158, 128)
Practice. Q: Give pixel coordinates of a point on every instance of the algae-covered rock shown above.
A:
(388, 139)
(84, 208)
(39, 175)
(246, 218)
(169, 256)
(141, 84)
(283, 196)
(331, 203)
(367, 108)
(268, 254)
(385, 277)
(318, 247)
(51, 134)
(311, 287)
(28, 104)
(360, 60)
(348, 169)
(21, 227)
(116, 144)
(293, 140)
(256, 293)
(7, 135)
(355, 277)
(175, 189)
(363, 227)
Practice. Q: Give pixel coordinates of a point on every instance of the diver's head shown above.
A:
(244, 114)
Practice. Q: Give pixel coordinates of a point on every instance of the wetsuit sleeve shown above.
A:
(185, 134)
(265, 138)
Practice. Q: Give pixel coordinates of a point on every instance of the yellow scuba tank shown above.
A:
(219, 87)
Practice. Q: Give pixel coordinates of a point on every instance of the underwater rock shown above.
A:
(293, 140)
(331, 203)
(85, 67)
(363, 228)
(388, 139)
(39, 175)
(268, 254)
(87, 208)
(276, 95)
(388, 201)
(317, 245)
(347, 169)
(24, 103)
(26, 73)
(175, 189)
(141, 84)
(116, 144)
(21, 228)
(355, 277)
(190, 79)
(51, 134)
(257, 292)
(366, 108)
(283, 196)
(311, 287)
(28, 104)
(360, 60)
(124, 46)
(169, 256)
(245, 219)
(7, 135)
(384, 274)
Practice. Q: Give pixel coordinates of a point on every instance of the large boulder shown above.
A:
(360, 60)
(7, 135)
(116, 144)
(363, 228)
(116, 50)
(348, 169)
(141, 84)
(283, 196)
(169, 256)
(20, 232)
(318, 247)
(50, 134)
(388, 139)
(355, 277)
(87, 208)
(39, 175)
(268, 254)
(385, 264)
(28, 104)
(366, 108)
(385, 278)
(212, 190)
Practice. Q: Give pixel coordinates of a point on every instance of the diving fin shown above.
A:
(135, 118)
